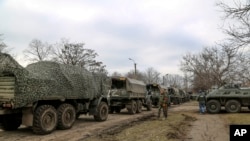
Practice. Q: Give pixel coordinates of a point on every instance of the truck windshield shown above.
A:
(118, 84)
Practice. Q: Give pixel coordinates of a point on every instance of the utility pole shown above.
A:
(134, 65)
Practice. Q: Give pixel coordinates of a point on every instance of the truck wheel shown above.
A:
(233, 106)
(132, 108)
(139, 106)
(149, 105)
(213, 106)
(45, 119)
(117, 109)
(102, 112)
(12, 121)
(66, 116)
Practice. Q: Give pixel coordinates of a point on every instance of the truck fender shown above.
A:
(95, 103)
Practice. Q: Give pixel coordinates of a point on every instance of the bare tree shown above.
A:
(151, 76)
(3, 46)
(37, 51)
(213, 66)
(116, 74)
(236, 22)
(174, 80)
(75, 54)
(139, 75)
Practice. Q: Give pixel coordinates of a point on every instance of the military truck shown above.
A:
(184, 96)
(128, 93)
(48, 95)
(175, 96)
(229, 96)
(154, 91)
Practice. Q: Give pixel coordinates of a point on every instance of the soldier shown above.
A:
(163, 105)
(202, 102)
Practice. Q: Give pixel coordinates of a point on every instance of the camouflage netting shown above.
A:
(49, 80)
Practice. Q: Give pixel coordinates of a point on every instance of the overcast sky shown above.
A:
(154, 33)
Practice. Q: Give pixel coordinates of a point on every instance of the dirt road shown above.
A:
(85, 126)
(205, 127)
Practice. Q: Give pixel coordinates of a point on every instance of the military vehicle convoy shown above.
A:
(230, 96)
(48, 95)
(175, 96)
(128, 93)
(184, 96)
(154, 91)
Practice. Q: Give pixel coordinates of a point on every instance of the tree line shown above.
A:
(227, 61)
(66, 52)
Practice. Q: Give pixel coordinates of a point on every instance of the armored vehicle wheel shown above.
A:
(233, 106)
(213, 106)
(132, 108)
(149, 105)
(12, 121)
(118, 109)
(139, 106)
(66, 116)
(45, 119)
(102, 112)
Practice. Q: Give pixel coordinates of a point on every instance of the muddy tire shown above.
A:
(213, 106)
(66, 116)
(139, 106)
(45, 119)
(102, 112)
(132, 107)
(233, 106)
(12, 121)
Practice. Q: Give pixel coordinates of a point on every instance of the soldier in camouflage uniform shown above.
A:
(202, 102)
(163, 105)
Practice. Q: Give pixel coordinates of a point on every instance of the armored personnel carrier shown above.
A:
(229, 96)
(48, 95)
(128, 93)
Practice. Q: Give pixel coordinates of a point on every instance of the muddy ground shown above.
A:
(184, 123)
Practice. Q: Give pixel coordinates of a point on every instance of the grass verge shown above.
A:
(174, 128)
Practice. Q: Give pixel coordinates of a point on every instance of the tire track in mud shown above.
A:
(208, 127)
(83, 128)
(205, 128)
